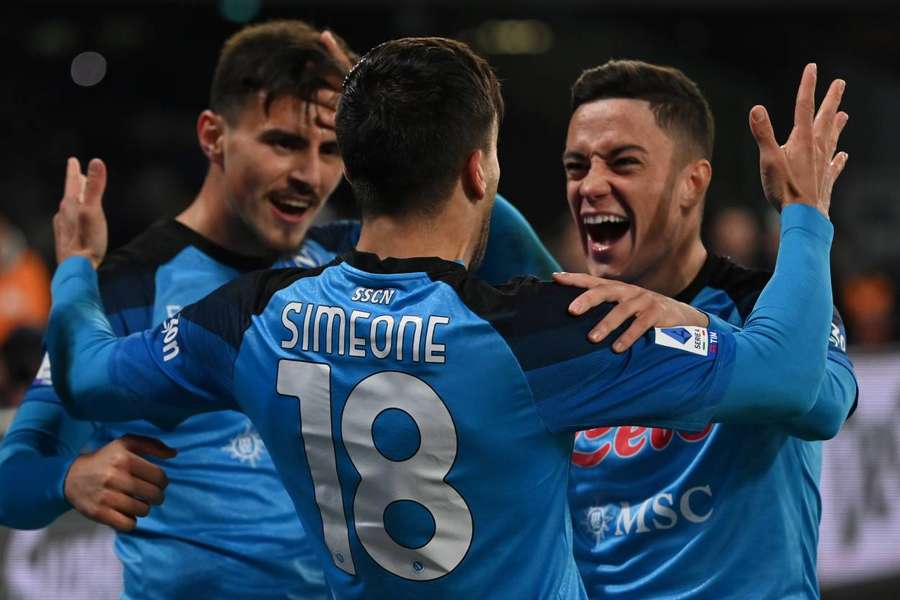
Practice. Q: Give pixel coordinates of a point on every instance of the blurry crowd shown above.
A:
(24, 306)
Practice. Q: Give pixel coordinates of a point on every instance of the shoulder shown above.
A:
(532, 316)
(741, 284)
(228, 310)
(126, 276)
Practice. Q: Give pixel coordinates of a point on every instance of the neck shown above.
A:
(677, 271)
(211, 216)
(451, 235)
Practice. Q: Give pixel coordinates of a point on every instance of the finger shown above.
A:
(761, 127)
(325, 118)
(138, 488)
(95, 183)
(115, 519)
(635, 331)
(840, 121)
(334, 49)
(73, 178)
(824, 120)
(126, 505)
(582, 280)
(145, 446)
(146, 470)
(806, 97)
(835, 169)
(613, 319)
(596, 296)
(327, 98)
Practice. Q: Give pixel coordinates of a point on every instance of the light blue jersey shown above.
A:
(422, 420)
(731, 511)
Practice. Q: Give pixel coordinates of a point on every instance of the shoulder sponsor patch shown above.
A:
(695, 340)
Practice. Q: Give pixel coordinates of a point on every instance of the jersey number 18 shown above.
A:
(419, 478)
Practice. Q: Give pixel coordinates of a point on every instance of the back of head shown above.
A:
(275, 58)
(677, 103)
(412, 111)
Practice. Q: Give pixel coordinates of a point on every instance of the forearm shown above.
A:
(80, 343)
(836, 396)
(780, 355)
(35, 456)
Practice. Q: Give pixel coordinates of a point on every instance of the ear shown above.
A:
(696, 176)
(210, 135)
(474, 178)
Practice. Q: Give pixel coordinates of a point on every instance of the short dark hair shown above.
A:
(277, 58)
(677, 103)
(412, 111)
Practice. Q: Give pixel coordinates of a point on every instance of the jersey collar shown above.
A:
(366, 261)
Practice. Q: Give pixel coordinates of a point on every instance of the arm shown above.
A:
(686, 377)
(163, 375)
(513, 247)
(837, 395)
(35, 456)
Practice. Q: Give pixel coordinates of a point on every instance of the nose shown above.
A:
(306, 170)
(595, 185)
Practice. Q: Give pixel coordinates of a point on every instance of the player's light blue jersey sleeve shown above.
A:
(837, 395)
(513, 247)
(163, 375)
(35, 456)
(684, 378)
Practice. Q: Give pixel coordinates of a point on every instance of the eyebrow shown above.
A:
(572, 154)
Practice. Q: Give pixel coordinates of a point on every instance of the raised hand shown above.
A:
(649, 309)
(803, 169)
(327, 98)
(79, 227)
(115, 485)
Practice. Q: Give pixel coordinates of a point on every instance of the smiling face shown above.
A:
(279, 168)
(620, 182)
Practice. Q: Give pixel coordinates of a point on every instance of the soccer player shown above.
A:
(731, 511)
(420, 419)
(227, 528)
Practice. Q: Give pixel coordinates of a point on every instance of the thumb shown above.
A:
(144, 446)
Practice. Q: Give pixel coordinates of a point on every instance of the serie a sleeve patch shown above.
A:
(690, 339)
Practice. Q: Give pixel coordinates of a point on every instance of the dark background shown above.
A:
(140, 118)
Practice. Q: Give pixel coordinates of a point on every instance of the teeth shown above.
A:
(294, 203)
(599, 219)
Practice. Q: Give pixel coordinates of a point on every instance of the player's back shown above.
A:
(387, 386)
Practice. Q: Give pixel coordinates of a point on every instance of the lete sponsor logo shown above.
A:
(661, 511)
(592, 446)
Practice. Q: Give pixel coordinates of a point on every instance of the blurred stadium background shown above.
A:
(125, 81)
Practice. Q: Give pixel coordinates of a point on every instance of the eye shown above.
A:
(329, 149)
(625, 162)
(574, 169)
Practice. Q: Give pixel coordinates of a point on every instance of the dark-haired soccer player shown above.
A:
(421, 419)
(226, 529)
(663, 513)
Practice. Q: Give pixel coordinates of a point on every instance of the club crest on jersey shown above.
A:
(246, 446)
(696, 340)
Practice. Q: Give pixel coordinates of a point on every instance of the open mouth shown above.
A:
(606, 230)
(291, 207)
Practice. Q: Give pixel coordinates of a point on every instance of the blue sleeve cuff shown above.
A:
(77, 267)
(807, 218)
